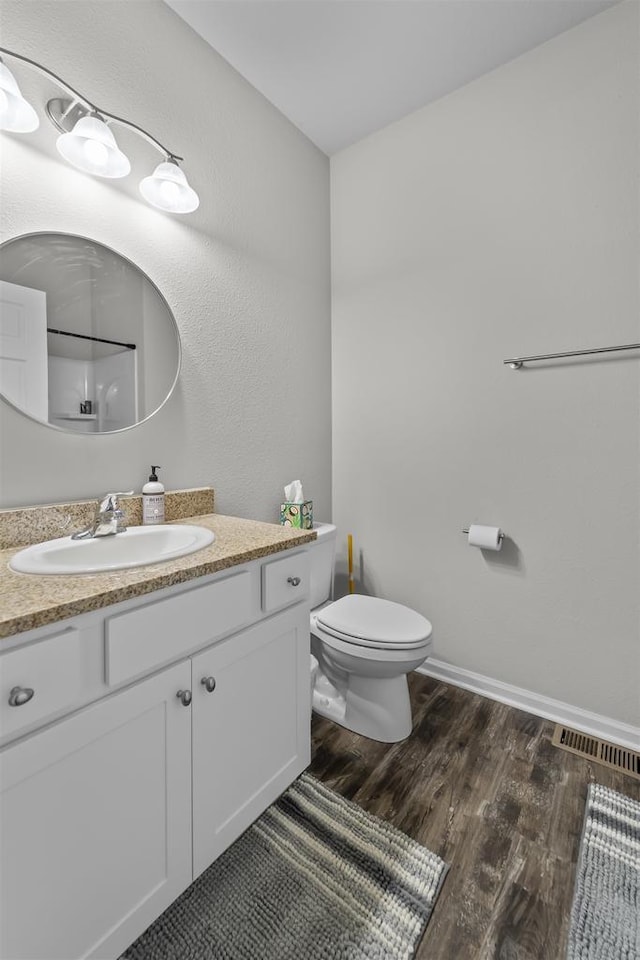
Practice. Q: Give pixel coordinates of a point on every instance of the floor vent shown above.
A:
(601, 751)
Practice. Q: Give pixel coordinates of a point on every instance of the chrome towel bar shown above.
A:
(516, 362)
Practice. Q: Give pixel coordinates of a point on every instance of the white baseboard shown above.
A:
(583, 720)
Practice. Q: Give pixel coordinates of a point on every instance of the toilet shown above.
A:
(365, 647)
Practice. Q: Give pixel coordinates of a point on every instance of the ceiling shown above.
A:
(341, 69)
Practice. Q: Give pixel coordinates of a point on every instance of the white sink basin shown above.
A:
(134, 547)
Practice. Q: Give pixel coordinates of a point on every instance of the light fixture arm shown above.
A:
(147, 136)
(92, 108)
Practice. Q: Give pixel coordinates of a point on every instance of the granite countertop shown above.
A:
(30, 601)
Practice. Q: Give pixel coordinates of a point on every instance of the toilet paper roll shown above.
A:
(487, 538)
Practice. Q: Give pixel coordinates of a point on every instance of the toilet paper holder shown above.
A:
(500, 535)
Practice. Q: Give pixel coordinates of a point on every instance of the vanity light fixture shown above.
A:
(87, 141)
(167, 189)
(16, 113)
(92, 147)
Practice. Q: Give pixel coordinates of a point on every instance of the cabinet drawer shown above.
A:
(141, 640)
(52, 668)
(285, 581)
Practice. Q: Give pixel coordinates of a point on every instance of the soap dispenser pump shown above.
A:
(153, 499)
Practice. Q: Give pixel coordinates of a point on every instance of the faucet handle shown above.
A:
(110, 500)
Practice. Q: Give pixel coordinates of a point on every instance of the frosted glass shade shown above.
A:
(16, 114)
(168, 190)
(92, 147)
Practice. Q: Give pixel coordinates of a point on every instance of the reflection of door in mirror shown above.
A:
(23, 348)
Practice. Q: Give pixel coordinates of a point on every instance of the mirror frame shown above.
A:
(128, 260)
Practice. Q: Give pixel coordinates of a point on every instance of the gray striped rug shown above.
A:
(605, 917)
(315, 878)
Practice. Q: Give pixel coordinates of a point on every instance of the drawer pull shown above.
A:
(20, 695)
(184, 696)
(209, 683)
(294, 581)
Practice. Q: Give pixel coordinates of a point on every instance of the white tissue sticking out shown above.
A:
(487, 538)
(293, 492)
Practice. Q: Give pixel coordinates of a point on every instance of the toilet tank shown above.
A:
(322, 553)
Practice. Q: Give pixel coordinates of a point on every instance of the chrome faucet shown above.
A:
(109, 518)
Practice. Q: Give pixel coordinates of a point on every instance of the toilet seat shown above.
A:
(374, 623)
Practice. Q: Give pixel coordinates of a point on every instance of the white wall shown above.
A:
(247, 276)
(500, 220)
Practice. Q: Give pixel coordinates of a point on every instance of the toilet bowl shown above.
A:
(365, 647)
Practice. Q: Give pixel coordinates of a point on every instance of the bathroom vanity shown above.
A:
(151, 723)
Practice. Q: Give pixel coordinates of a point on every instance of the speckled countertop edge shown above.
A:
(30, 601)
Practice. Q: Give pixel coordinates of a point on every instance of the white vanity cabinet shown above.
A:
(110, 811)
(250, 715)
(95, 824)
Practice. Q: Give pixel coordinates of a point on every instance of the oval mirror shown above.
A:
(87, 341)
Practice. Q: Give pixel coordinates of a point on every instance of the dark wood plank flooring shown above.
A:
(480, 784)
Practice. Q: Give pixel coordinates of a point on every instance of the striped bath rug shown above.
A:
(315, 878)
(605, 917)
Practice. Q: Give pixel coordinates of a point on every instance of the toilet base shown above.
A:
(377, 708)
(327, 701)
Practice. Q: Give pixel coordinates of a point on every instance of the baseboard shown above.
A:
(583, 720)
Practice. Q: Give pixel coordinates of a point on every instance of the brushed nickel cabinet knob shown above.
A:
(294, 581)
(20, 695)
(184, 696)
(209, 683)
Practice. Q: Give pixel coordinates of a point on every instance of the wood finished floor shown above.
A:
(480, 784)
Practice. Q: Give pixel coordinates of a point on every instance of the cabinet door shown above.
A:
(95, 817)
(251, 732)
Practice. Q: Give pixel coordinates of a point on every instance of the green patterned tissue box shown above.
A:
(298, 515)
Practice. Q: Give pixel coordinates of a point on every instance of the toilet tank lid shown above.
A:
(380, 621)
(324, 530)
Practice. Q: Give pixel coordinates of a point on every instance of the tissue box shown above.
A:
(298, 515)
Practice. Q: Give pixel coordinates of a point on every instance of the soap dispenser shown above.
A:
(153, 499)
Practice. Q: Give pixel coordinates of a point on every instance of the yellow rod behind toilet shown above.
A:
(352, 585)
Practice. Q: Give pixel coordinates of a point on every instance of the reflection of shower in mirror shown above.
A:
(97, 395)
(116, 391)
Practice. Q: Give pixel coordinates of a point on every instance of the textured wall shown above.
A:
(247, 276)
(501, 220)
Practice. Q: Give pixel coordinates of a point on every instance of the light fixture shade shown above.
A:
(168, 190)
(92, 147)
(16, 115)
